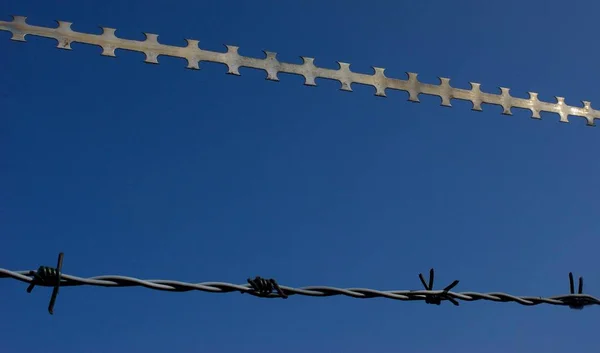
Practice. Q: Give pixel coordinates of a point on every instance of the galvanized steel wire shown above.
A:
(194, 55)
(269, 288)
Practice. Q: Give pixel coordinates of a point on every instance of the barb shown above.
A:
(47, 276)
(264, 287)
(109, 42)
(270, 289)
(437, 298)
(577, 302)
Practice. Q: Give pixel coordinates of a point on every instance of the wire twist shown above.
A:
(269, 288)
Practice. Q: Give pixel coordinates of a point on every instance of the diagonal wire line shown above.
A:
(109, 42)
(153, 50)
(430, 296)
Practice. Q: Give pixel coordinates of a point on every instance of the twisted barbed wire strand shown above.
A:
(575, 301)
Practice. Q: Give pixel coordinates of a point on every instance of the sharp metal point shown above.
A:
(153, 49)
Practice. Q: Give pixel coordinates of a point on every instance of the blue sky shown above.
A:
(161, 172)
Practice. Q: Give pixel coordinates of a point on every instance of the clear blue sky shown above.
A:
(161, 172)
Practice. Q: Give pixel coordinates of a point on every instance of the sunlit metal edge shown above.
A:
(109, 42)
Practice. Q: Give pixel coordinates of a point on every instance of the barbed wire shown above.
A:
(269, 288)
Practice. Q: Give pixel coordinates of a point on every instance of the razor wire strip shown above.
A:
(269, 288)
(109, 42)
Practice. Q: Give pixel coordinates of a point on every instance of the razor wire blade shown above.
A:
(152, 49)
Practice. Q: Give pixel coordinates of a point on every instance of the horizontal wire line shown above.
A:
(312, 291)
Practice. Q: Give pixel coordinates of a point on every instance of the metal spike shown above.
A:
(560, 109)
(534, 105)
(233, 66)
(571, 284)
(475, 96)
(109, 42)
(272, 65)
(64, 26)
(379, 81)
(344, 75)
(453, 301)
(56, 287)
(413, 87)
(451, 285)
(505, 100)
(307, 70)
(423, 281)
(192, 60)
(109, 35)
(431, 276)
(447, 92)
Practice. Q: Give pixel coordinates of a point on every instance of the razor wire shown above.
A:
(269, 288)
(152, 49)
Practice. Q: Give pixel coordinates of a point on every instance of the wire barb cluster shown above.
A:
(47, 276)
(152, 49)
(437, 298)
(269, 288)
(265, 287)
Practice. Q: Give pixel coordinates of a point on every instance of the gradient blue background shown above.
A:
(161, 172)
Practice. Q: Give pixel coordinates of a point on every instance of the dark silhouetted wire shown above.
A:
(269, 288)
